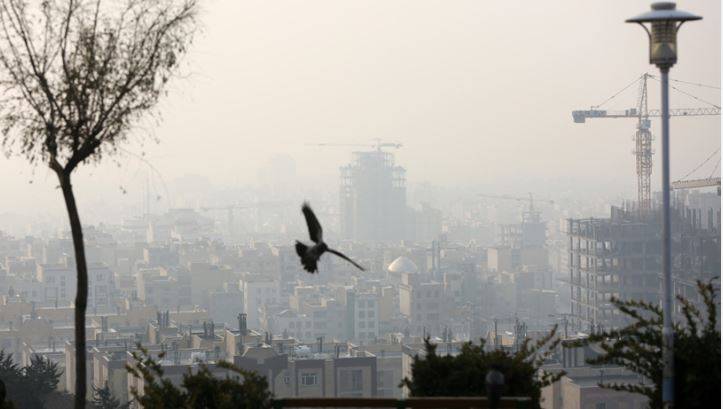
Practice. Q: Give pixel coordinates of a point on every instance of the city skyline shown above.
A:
(419, 76)
(240, 204)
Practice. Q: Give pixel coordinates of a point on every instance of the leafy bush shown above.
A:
(464, 374)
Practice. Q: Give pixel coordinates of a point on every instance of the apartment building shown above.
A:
(260, 292)
(308, 374)
(423, 304)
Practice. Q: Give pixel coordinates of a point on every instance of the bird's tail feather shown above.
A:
(332, 251)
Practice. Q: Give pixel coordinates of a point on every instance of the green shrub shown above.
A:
(464, 374)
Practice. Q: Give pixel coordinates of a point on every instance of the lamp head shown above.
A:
(664, 21)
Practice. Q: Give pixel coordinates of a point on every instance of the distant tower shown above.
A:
(373, 198)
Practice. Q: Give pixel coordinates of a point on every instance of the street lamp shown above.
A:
(665, 21)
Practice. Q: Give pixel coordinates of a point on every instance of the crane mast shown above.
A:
(643, 147)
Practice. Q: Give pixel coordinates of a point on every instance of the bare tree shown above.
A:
(74, 76)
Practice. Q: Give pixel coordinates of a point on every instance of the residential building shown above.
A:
(260, 292)
(423, 304)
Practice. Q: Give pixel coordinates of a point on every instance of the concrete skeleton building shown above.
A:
(373, 201)
(620, 257)
(373, 198)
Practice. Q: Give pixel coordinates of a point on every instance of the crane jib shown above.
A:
(580, 116)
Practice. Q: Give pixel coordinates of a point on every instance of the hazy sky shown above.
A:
(477, 91)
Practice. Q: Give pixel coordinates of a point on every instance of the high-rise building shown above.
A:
(373, 198)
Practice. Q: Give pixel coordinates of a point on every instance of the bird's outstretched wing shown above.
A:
(332, 251)
(315, 232)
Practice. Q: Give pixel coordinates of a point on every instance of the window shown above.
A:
(356, 379)
(370, 303)
(286, 379)
(351, 380)
(600, 405)
(308, 379)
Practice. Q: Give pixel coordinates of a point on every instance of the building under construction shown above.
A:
(621, 257)
(373, 198)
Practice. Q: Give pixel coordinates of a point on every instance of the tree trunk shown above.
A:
(81, 296)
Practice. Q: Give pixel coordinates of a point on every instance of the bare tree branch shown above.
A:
(74, 76)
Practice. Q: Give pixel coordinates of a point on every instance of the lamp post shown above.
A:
(664, 22)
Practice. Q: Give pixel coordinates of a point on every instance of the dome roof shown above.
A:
(402, 265)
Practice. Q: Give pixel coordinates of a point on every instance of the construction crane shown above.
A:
(532, 214)
(377, 145)
(643, 138)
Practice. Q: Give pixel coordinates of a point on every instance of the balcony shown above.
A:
(410, 403)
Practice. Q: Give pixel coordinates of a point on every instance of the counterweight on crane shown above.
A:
(643, 137)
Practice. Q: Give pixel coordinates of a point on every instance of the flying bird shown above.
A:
(310, 254)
